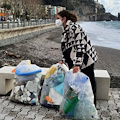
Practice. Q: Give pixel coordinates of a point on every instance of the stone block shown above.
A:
(6, 79)
(102, 79)
(44, 71)
(103, 84)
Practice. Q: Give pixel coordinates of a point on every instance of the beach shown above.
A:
(45, 50)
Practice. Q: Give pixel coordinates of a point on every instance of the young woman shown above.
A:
(76, 47)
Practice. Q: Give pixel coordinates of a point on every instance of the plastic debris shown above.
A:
(27, 87)
(53, 85)
(51, 71)
(55, 96)
(78, 98)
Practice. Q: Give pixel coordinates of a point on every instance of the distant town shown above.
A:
(26, 10)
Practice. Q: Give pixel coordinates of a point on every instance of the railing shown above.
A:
(14, 24)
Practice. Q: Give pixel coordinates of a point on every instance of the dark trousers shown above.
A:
(89, 71)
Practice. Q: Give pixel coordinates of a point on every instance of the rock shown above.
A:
(106, 17)
(119, 16)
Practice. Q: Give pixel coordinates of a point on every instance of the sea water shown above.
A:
(104, 33)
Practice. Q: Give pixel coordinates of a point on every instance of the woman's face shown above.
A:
(63, 20)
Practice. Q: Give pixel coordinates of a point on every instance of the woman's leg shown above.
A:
(89, 71)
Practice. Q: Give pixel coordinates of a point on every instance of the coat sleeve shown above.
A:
(79, 45)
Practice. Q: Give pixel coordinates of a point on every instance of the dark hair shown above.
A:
(69, 15)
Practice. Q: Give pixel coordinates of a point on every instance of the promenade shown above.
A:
(44, 50)
(107, 110)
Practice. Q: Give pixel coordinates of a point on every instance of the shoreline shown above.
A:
(45, 50)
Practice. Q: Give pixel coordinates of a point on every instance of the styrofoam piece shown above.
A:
(55, 96)
(17, 88)
(31, 86)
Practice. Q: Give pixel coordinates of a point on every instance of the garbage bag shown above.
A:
(27, 84)
(52, 90)
(78, 98)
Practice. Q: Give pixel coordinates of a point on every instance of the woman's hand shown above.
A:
(61, 62)
(76, 69)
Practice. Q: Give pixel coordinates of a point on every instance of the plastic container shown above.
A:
(55, 97)
(59, 89)
(25, 70)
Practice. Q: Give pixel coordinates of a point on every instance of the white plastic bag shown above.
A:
(78, 98)
(52, 88)
(27, 85)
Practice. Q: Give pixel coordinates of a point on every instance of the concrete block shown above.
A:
(103, 84)
(102, 79)
(6, 79)
(44, 71)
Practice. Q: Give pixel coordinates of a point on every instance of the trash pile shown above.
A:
(27, 84)
(68, 91)
(78, 98)
(52, 91)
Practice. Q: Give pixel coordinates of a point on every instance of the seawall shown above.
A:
(11, 36)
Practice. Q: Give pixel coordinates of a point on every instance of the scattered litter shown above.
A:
(54, 48)
(12, 54)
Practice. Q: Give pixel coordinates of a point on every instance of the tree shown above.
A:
(33, 8)
(6, 6)
(24, 8)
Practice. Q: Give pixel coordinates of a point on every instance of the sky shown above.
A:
(112, 6)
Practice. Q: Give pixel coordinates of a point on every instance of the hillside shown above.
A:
(81, 7)
(87, 10)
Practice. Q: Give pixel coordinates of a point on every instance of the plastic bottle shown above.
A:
(52, 83)
(50, 72)
(71, 101)
(86, 111)
(70, 104)
(81, 95)
(60, 76)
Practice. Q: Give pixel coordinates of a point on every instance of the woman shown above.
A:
(76, 47)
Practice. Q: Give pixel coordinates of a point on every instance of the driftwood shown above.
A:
(12, 54)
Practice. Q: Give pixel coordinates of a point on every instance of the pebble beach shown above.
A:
(45, 50)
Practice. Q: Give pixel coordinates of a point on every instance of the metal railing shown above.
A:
(15, 24)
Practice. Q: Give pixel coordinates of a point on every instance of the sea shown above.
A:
(104, 33)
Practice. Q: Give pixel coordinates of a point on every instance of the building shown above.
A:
(51, 11)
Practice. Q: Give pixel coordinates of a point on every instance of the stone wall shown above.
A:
(11, 36)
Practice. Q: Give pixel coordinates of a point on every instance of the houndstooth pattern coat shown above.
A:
(76, 47)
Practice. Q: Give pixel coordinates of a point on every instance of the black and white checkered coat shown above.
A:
(76, 47)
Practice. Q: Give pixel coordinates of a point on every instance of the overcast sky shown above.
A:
(112, 6)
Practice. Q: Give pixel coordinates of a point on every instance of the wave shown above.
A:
(103, 33)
